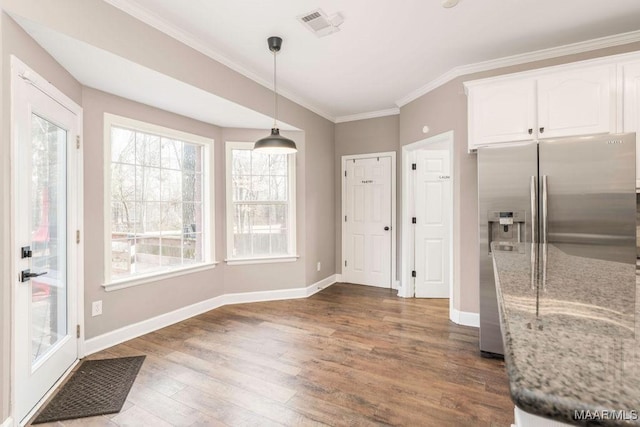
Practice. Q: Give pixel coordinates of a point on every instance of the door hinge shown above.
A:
(414, 220)
(345, 262)
(78, 142)
(345, 218)
(413, 273)
(77, 236)
(77, 331)
(414, 166)
(345, 173)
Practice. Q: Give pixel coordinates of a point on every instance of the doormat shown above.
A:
(97, 387)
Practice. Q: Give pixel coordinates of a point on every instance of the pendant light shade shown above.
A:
(275, 143)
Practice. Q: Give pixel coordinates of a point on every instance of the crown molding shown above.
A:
(538, 55)
(151, 19)
(369, 115)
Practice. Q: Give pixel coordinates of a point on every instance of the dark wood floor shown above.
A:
(350, 355)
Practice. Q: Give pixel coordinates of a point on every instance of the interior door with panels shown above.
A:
(432, 224)
(367, 221)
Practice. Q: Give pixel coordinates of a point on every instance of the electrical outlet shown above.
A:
(319, 266)
(96, 308)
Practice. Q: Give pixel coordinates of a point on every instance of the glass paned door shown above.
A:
(48, 236)
(46, 212)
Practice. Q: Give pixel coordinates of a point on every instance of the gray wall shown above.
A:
(444, 109)
(361, 137)
(131, 305)
(95, 22)
(258, 277)
(124, 307)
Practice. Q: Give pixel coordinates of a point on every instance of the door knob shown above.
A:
(386, 229)
(25, 275)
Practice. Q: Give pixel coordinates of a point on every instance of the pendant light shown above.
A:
(275, 143)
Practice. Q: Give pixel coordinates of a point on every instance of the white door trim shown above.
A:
(343, 161)
(407, 283)
(21, 72)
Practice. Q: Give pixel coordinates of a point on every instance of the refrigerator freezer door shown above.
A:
(590, 194)
(507, 178)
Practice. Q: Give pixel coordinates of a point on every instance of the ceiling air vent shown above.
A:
(320, 24)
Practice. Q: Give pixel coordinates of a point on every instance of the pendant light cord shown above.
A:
(275, 92)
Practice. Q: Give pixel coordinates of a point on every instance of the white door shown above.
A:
(367, 222)
(44, 221)
(432, 224)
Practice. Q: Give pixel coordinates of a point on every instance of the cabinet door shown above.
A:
(501, 112)
(577, 102)
(631, 120)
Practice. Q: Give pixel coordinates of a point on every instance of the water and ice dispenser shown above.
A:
(506, 227)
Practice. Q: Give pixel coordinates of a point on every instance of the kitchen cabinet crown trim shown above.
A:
(538, 55)
(619, 59)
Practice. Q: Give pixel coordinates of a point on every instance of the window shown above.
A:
(260, 205)
(157, 189)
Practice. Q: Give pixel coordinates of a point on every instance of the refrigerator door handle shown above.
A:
(534, 209)
(543, 237)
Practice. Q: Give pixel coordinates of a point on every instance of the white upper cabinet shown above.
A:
(577, 102)
(550, 103)
(501, 112)
(631, 106)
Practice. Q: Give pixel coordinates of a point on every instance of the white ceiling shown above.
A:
(386, 49)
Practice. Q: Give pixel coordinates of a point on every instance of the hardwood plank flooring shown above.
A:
(348, 356)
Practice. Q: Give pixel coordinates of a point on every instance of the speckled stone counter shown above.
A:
(570, 324)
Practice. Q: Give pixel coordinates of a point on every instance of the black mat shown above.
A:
(97, 387)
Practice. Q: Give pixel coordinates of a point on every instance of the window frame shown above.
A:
(292, 256)
(208, 202)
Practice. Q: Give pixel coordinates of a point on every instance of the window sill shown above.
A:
(268, 260)
(154, 277)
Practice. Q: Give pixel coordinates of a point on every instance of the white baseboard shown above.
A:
(338, 278)
(280, 294)
(464, 318)
(7, 423)
(95, 344)
(126, 333)
(322, 284)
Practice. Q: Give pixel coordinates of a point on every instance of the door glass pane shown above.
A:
(48, 236)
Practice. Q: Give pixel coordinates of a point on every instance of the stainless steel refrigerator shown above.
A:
(569, 192)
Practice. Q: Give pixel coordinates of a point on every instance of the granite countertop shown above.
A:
(570, 324)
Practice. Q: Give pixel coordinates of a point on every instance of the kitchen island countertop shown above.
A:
(570, 325)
